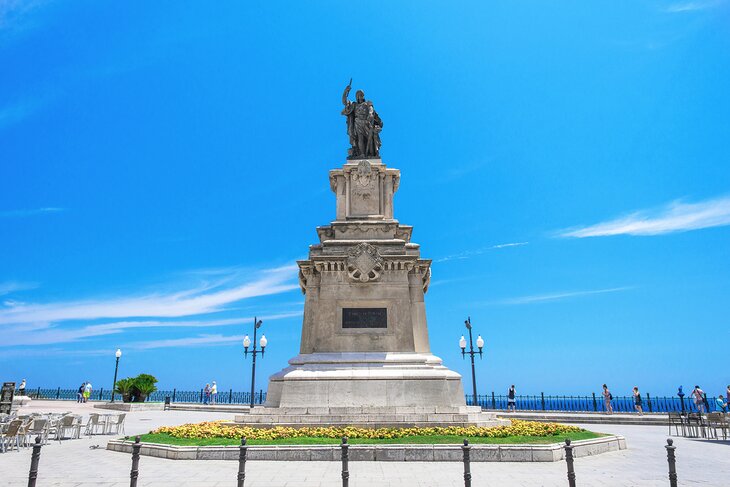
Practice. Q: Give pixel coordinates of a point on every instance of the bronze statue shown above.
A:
(363, 125)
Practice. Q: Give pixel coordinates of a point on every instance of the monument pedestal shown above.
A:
(364, 379)
(365, 357)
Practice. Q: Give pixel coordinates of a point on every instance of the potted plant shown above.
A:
(125, 387)
(144, 385)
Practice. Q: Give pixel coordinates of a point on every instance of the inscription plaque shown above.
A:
(364, 317)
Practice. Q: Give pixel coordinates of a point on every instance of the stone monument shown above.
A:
(365, 355)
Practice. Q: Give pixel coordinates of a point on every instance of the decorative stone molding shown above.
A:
(363, 174)
(329, 266)
(364, 263)
(325, 233)
(306, 271)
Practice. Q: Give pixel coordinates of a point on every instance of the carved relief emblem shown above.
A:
(363, 174)
(364, 263)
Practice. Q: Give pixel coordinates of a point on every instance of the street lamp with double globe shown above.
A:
(471, 353)
(247, 343)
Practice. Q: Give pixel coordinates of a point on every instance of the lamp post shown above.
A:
(118, 355)
(246, 343)
(471, 353)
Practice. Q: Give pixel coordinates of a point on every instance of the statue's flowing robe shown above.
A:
(363, 120)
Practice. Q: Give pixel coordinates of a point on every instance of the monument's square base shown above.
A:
(373, 389)
(371, 379)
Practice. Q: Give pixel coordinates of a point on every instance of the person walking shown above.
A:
(21, 388)
(87, 391)
(607, 398)
(206, 394)
(214, 393)
(699, 398)
(511, 398)
(637, 401)
(80, 392)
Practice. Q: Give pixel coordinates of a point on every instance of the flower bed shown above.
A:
(217, 429)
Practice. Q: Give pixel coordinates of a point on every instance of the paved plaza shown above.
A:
(74, 463)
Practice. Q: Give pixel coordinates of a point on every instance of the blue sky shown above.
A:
(564, 164)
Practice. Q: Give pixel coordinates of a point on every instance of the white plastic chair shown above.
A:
(39, 427)
(117, 423)
(13, 432)
(94, 424)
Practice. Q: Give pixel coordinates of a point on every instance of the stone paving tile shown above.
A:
(73, 464)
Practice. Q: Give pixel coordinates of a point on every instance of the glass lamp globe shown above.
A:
(263, 341)
(118, 354)
(480, 341)
(462, 342)
(246, 342)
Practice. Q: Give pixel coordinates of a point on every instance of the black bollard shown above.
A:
(467, 463)
(34, 459)
(345, 458)
(569, 461)
(672, 462)
(242, 462)
(135, 463)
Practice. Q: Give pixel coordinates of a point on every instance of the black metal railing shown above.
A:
(104, 394)
(541, 402)
(592, 403)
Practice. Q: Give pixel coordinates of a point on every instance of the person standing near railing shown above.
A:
(637, 401)
(721, 406)
(214, 393)
(727, 400)
(80, 392)
(607, 398)
(21, 388)
(699, 397)
(511, 398)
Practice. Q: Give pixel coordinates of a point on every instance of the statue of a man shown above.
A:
(363, 125)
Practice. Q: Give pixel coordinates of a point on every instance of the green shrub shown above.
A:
(125, 387)
(136, 389)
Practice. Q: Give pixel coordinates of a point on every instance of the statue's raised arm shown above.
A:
(346, 93)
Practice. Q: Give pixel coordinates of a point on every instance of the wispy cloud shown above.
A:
(17, 15)
(472, 253)
(201, 340)
(19, 111)
(541, 298)
(29, 212)
(207, 298)
(46, 334)
(674, 217)
(15, 286)
(692, 6)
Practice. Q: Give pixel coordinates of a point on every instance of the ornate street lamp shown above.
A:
(247, 343)
(471, 353)
(118, 355)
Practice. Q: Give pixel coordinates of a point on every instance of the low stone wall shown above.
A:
(132, 406)
(589, 418)
(382, 453)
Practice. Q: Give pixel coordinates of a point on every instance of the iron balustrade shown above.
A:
(592, 403)
(491, 401)
(176, 396)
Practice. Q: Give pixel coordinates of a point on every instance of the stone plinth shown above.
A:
(373, 379)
